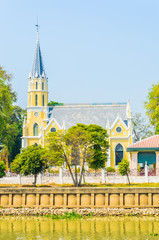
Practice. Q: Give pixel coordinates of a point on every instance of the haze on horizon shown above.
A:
(93, 51)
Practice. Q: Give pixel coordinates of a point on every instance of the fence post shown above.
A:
(40, 178)
(61, 175)
(19, 176)
(146, 171)
(103, 175)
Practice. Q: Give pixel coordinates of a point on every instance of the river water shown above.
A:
(113, 228)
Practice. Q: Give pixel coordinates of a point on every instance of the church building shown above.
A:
(42, 119)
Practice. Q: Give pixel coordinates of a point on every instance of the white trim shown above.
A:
(31, 137)
(53, 119)
(116, 120)
(35, 109)
(36, 90)
(113, 138)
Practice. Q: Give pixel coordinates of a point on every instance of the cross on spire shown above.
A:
(37, 26)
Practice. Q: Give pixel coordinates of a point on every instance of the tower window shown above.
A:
(35, 129)
(36, 85)
(43, 100)
(118, 154)
(36, 100)
(42, 85)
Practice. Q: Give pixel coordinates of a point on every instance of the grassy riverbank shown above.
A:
(85, 185)
(69, 215)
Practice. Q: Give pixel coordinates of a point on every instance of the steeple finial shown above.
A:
(37, 26)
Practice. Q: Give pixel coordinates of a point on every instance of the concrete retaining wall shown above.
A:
(80, 197)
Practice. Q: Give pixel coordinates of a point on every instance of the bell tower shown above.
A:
(34, 124)
(38, 83)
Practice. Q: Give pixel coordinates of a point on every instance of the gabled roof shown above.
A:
(98, 114)
(37, 67)
(151, 143)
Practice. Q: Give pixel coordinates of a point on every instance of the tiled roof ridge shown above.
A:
(143, 140)
(90, 105)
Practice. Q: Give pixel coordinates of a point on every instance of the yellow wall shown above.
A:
(124, 138)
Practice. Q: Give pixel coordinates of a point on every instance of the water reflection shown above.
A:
(25, 228)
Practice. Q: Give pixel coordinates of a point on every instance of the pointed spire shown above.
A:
(37, 67)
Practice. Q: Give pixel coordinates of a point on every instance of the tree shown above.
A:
(124, 168)
(141, 128)
(152, 106)
(52, 103)
(12, 134)
(2, 169)
(76, 146)
(31, 160)
(11, 116)
(7, 98)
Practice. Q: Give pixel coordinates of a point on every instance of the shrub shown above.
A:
(110, 169)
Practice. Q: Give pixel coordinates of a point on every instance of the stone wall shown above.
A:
(80, 197)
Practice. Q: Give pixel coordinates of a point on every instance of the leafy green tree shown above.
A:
(12, 134)
(152, 106)
(124, 168)
(52, 103)
(31, 160)
(11, 116)
(141, 128)
(7, 98)
(78, 145)
(2, 169)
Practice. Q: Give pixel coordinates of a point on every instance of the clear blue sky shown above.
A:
(93, 50)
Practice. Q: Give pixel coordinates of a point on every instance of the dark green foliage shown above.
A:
(11, 117)
(31, 160)
(99, 145)
(52, 103)
(2, 169)
(13, 132)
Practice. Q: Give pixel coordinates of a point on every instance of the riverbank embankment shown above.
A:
(101, 212)
(80, 197)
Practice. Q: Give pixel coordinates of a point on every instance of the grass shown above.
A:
(84, 185)
(154, 234)
(66, 215)
(72, 215)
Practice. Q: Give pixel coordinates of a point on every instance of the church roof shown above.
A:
(37, 67)
(148, 143)
(99, 114)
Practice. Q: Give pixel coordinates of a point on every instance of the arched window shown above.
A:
(53, 129)
(43, 100)
(35, 130)
(119, 153)
(36, 100)
(42, 85)
(36, 85)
